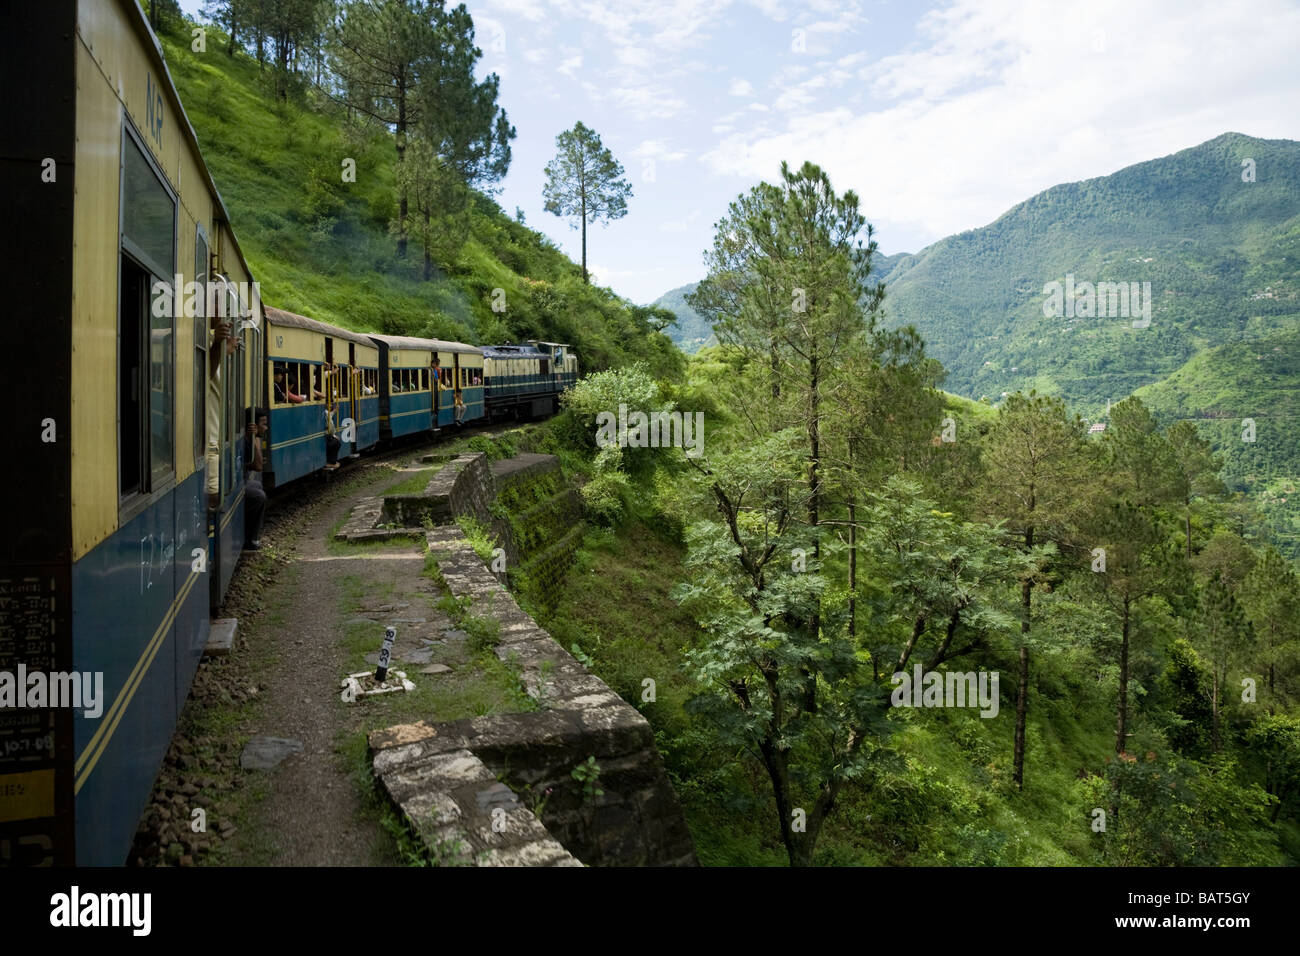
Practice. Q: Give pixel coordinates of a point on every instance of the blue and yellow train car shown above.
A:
(353, 392)
(525, 381)
(295, 355)
(322, 380)
(405, 402)
(459, 376)
(127, 482)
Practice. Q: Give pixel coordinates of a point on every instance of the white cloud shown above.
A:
(682, 225)
(652, 101)
(1001, 100)
(657, 149)
(533, 10)
(570, 65)
(608, 276)
(741, 87)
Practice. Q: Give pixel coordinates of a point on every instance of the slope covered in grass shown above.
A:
(323, 247)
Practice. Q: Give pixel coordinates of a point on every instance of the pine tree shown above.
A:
(1226, 634)
(584, 180)
(1036, 461)
(1270, 596)
(409, 65)
(1198, 470)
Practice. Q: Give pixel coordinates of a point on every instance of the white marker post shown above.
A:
(385, 653)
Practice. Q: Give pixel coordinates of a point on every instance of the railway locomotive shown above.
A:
(140, 346)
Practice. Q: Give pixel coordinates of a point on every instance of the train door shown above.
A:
(356, 385)
(341, 386)
(459, 410)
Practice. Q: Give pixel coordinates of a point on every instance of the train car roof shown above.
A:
(526, 350)
(290, 319)
(426, 345)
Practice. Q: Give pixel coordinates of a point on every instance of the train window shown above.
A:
(200, 389)
(161, 389)
(146, 335)
(133, 288)
(424, 379)
(148, 210)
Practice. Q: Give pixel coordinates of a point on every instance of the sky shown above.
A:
(940, 116)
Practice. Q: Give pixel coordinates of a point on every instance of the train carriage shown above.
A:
(129, 484)
(405, 405)
(321, 379)
(459, 376)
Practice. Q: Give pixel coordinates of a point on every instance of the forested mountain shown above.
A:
(1222, 257)
(1245, 399)
(692, 332)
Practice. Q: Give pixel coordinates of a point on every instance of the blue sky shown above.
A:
(940, 115)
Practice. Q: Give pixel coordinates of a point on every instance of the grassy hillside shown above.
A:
(322, 247)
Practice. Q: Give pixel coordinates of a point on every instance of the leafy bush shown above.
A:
(605, 497)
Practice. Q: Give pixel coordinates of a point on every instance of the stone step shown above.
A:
(221, 637)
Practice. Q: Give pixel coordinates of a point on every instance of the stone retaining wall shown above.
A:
(439, 773)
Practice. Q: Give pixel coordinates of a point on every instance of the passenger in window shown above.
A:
(284, 391)
(254, 494)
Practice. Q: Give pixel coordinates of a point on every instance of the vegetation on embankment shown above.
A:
(322, 246)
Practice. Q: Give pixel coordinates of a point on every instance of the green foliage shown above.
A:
(1168, 811)
(480, 538)
(322, 247)
(496, 448)
(587, 774)
(585, 180)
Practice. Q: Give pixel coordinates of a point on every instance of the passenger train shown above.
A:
(127, 473)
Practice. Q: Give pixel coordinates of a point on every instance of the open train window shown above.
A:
(232, 378)
(200, 388)
(145, 324)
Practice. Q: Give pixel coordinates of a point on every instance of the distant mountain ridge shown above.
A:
(692, 331)
(1222, 256)
(1214, 230)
